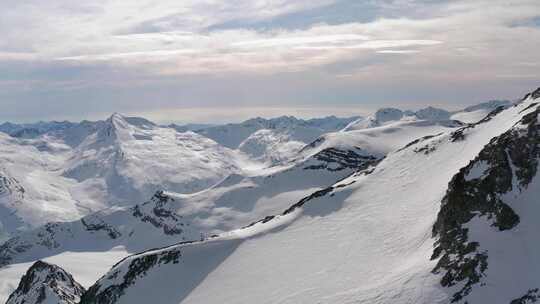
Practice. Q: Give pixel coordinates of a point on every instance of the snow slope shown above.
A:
(367, 239)
(133, 158)
(170, 217)
(271, 146)
(379, 141)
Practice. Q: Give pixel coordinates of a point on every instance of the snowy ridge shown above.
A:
(386, 116)
(470, 114)
(232, 135)
(35, 129)
(379, 141)
(48, 284)
(328, 239)
(475, 113)
(491, 195)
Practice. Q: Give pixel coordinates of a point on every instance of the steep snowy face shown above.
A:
(366, 239)
(11, 193)
(46, 283)
(133, 158)
(487, 228)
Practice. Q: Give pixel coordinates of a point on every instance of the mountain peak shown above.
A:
(432, 113)
(388, 114)
(488, 105)
(536, 94)
(116, 118)
(46, 283)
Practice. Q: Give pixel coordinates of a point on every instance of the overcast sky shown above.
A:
(226, 60)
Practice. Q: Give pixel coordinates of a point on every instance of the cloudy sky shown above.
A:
(226, 60)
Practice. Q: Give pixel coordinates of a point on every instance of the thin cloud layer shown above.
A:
(181, 54)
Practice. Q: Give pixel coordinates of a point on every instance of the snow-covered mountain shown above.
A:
(133, 158)
(34, 129)
(62, 176)
(381, 235)
(168, 217)
(470, 114)
(232, 135)
(391, 115)
(46, 283)
(398, 207)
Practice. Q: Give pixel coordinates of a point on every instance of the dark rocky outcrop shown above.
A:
(136, 268)
(510, 161)
(46, 283)
(333, 159)
(160, 215)
(532, 296)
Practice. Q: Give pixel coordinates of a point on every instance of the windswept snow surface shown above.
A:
(366, 240)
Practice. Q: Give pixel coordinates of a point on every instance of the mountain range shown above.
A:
(427, 206)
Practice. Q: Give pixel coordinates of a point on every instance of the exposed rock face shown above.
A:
(10, 186)
(336, 160)
(46, 283)
(532, 296)
(121, 277)
(158, 213)
(508, 163)
(108, 228)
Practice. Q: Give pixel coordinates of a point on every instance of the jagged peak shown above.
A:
(534, 95)
(46, 283)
